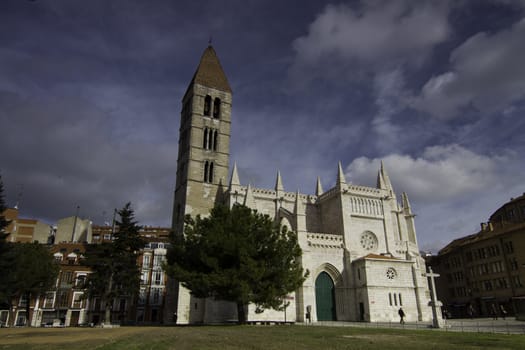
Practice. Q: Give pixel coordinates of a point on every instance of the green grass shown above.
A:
(251, 337)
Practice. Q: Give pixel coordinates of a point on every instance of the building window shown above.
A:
(77, 300)
(157, 277)
(67, 278)
(517, 281)
(509, 247)
(157, 260)
(144, 278)
(142, 296)
(208, 172)
(390, 298)
(49, 301)
(205, 139)
(22, 302)
(400, 300)
(209, 139)
(216, 107)
(146, 260)
(207, 105)
(80, 281)
(62, 298)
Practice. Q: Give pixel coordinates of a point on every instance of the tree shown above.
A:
(33, 272)
(6, 259)
(237, 255)
(114, 265)
(3, 222)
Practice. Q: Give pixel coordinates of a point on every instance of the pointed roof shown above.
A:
(210, 73)
(249, 200)
(234, 180)
(319, 189)
(406, 203)
(340, 176)
(298, 206)
(279, 182)
(383, 181)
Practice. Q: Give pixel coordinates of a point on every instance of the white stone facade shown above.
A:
(359, 243)
(361, 237)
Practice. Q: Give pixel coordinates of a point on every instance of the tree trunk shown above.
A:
(241, 315)
(107, 315)
(28, 308)
(109, 301)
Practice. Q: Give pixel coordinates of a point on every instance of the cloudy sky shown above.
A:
(90, 97)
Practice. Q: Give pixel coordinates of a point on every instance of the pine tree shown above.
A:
(237, 255)
(114, 265)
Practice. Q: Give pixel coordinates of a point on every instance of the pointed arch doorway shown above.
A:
(325, 297)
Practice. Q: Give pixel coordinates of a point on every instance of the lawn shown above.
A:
(250, 337)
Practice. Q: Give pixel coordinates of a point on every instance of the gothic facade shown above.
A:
(359, 243)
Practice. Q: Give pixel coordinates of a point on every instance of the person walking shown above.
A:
(401, 315)
(503, 311)
(494, 312)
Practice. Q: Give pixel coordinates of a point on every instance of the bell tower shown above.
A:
(204, 141)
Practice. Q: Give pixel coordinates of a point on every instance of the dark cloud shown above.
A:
(90, 98)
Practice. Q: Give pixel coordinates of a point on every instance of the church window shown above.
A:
(205, 139)
(391, 273)
(207, 105)
(216, 107)
(208, 172)
(390, 298)
(209, 139)
(395, 299)
(368, 240)
(400, 300)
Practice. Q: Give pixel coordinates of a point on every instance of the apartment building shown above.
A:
(483, 274)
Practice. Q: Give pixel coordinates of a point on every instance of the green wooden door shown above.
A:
(324, 297)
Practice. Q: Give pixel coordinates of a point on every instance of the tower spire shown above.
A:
(234, 180)
(249, 200)
(341, 181)
(383, 181)
(298, 207)
(319, 188)
(406, 203)
(209, 73)
(279, 182)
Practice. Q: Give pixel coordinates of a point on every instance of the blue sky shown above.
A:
(90, 98)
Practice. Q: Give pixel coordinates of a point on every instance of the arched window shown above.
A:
(209, 139)
(216, 107)
(206, 168)
(207, 105)
(205, 139)
(208, 172)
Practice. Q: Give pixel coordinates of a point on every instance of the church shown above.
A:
(359, 243)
